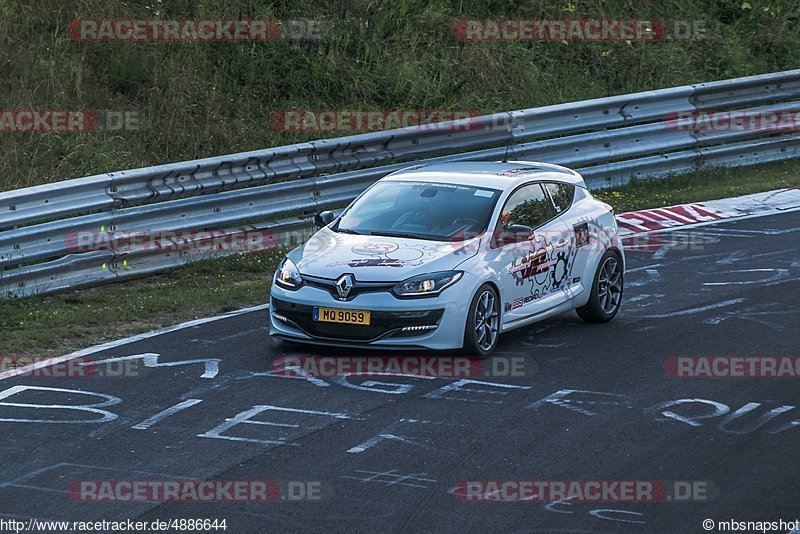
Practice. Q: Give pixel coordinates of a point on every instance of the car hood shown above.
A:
(329, 254)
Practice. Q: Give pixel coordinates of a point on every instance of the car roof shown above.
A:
(495, 175)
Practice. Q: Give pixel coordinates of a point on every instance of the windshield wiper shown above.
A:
(348, 231)
(397, 234)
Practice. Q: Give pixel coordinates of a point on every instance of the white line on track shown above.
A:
(118, 343)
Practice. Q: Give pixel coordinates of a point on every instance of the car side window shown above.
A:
(527, 206)
(562, 195)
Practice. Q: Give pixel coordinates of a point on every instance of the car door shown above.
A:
(529, 245)
(569, 271)
(580, 218)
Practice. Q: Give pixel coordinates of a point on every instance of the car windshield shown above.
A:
(420, 210)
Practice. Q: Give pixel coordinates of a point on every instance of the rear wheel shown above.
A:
(606, 293)
(483, 322)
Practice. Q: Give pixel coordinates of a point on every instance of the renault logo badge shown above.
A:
(344, 284)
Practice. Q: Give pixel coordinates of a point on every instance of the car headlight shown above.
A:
(427, 285)
(288, 276)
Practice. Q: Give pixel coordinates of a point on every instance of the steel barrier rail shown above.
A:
(59, 199)
(735, 154)
(87, 269)
(747, 91)
(102, 267)
(609, 140)
(40, 242)
(93, 268)
(335, 155)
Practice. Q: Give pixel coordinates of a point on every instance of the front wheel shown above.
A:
(606, 293)
(483, 322)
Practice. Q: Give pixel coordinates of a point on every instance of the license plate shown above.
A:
(332, 315)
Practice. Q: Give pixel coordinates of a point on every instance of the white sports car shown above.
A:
(449, 256)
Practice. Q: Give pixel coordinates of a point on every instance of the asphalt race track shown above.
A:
(388, 452)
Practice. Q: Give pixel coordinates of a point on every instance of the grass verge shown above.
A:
(702, 185)
(193, 99)
(57, 324)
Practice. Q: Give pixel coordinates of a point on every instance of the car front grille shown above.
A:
(357, 289)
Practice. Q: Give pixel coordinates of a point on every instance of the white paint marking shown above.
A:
(300, 374)
(147, 423)
(245, 418)
(675, 215)
(272, 423)
(36, 472)
(390, 478)
(603, 514)
(645, 268)
(692, 311)
(601, 398)
(94, 408)
(383, 437)
(780, 274)
(761, 421)
(663, 415)
(458, 386)
(150, 359)
(386, 434)
(120, 342)
(550, 506)
(374, 385)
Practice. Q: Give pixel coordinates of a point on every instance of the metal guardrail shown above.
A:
(609, 140)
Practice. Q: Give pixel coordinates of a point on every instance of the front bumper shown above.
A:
(428, 323)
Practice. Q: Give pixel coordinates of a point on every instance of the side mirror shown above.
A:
(516, 233)
(324, 218)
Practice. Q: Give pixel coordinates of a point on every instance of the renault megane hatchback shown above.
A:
(449, 256)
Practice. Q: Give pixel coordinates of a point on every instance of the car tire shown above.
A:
(483, 322)
(607, 287)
